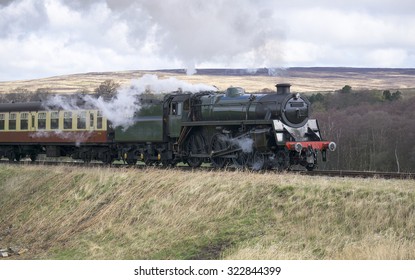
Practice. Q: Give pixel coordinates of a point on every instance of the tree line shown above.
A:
(374, 130)
(107, 89)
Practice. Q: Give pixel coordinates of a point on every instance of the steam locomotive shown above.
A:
(255, 131)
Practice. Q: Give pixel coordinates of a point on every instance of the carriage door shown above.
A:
(175, 118)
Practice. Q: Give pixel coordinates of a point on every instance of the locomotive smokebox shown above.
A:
(283, 88)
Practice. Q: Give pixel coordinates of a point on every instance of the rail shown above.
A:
(327, 173)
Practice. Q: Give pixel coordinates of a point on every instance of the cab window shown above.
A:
(173, 110)
(176, 109)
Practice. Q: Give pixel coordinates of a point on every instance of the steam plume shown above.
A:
(120, 109)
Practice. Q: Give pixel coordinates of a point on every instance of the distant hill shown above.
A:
(303, 79)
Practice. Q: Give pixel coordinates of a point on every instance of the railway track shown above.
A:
(360, 174)
(328, 173)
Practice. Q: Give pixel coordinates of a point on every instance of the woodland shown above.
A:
(374, 130)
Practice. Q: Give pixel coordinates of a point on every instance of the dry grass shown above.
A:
(76, 213)
(303, 81)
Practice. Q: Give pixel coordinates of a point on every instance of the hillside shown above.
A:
(102, 213)
(317, 79)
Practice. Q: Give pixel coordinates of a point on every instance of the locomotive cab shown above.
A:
(178, 111)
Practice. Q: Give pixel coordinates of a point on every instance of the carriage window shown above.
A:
(12, 121)
(54, 120)
(24, 121)
(67, 120)
(41, 120)
(1, 121)
(81, 116)
(99, 120)
(91, 120)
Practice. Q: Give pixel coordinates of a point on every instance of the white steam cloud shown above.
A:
(245, 143)
(107, 35)
(120, 109)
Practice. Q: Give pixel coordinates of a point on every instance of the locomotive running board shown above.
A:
(224, 123)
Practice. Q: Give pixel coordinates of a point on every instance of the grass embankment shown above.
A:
(77, 213)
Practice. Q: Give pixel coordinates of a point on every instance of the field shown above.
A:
(302, 79)
(102, 213)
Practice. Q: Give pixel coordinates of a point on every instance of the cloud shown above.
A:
(52, 37)
(322, 36)
(99, 35)
(18, 18)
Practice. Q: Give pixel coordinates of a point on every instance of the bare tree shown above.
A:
(108, 88)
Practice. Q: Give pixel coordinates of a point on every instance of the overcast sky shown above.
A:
(41, 38)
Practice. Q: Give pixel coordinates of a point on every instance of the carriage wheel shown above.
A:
(33, 157)
(108, 159)
(14, 156)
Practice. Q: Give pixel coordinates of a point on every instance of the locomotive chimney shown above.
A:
(283, 88)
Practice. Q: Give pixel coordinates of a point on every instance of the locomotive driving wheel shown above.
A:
(257, 161)
(218, 143)
(242, 160)
(195, 146)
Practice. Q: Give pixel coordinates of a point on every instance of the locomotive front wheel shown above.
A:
(283, 160)
(310, 166)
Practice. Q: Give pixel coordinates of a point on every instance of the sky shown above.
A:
(43, 38)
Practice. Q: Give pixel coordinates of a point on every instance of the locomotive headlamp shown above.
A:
(296, 96)
(332, 146)
(298, 147)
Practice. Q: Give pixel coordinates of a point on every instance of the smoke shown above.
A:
(78, 36)
(230, 33)
(120, 109)
(245, 143)
(221, 31)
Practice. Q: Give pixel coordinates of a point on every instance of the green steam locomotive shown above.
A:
(255, 131)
